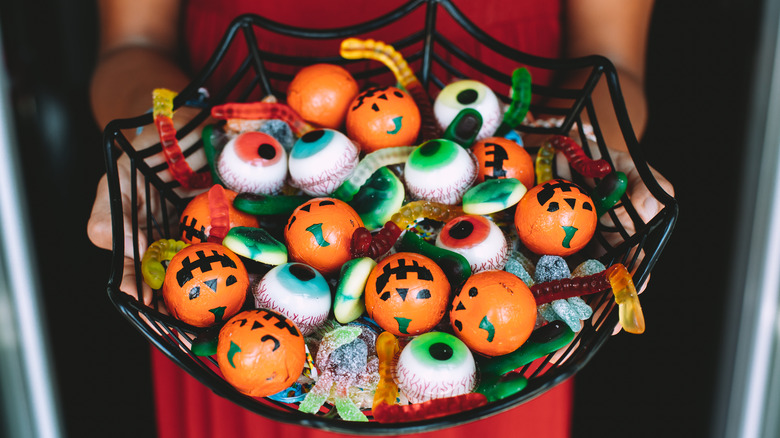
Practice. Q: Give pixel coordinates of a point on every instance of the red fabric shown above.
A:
(187, 409)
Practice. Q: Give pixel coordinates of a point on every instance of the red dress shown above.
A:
(186, 408)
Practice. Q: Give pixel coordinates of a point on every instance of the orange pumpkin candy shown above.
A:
(322, 93)
(555, 218)
(260, 352)
(499, 157)
(383, 117)
(319, 234)
(205, 283)
(195, 223)
(407, 294)
(494, 313)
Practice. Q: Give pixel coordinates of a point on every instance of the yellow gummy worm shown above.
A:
(151, 263)
(544, 161)
(355, 48)
(411, 212)
(631, 317)
(162, 102)
(387, 349)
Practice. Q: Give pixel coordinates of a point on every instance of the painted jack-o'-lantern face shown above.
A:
(494, 313)
(260, 352)
(407, 294)
(500, 157)
(383, 117)
(195, 223)
(555, 218)
(205, 284)
(322, 93)
(319, 234)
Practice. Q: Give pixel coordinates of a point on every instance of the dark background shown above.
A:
(662, 382)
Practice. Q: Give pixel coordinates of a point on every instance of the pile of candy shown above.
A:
(345, 267)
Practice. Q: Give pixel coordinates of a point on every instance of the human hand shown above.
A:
(99, 228)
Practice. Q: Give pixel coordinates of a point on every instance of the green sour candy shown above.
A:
(492, 196)
(609, 191)
(455, 266)
(380, 197)
(268, 205)
(205, 344)
(464, 127)
(255, 244)
(349, 304)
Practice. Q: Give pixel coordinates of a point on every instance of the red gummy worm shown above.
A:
(177, 164)
(439, 407)
(550, 291)
(361, 240)
(262, 110)
(384, 239)
(220, 214)
(583, 164)
(430, 128)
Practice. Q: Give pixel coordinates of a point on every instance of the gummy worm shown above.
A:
(261, 111)
(631, 317)
(521, 101)
(355, 48)
(219, 210)
(553, 290)
(439, 407)
(581, 163)
(387, 350)
(365, 245)
(456, 268)
(370, 164)
(543, 165)
(261, 205)
(151, 263)
(162, 110)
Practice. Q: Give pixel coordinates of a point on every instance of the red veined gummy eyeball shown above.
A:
(253, 162)
(435, 365)
(195, 223)
(499, 157)
(555, 218)
(494, 313)
(260, 352)
(297, 291)
(468, 93)
(407, 294)
(477, 239)
(383, 117)
(321, 94)
(205, 284)
(321, 161)
(319, 234)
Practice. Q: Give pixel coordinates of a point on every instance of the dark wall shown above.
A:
(663, 381)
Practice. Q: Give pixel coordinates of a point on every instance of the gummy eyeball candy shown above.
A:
(500, 157)
(407, 294)
(440, 171)
(260, 352)
(253, 162)
(494, 313)
(322, 160)
(195, 224)
(319, 234)
(383, 117)
(435, 365)
(321, 94)
(477, 239)
(205, 283)
(468, 93)
(298, 292)
(555, 218)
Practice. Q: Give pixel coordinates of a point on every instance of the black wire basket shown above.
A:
(436, 60)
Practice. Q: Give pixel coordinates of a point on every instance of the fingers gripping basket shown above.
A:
(436, 60)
